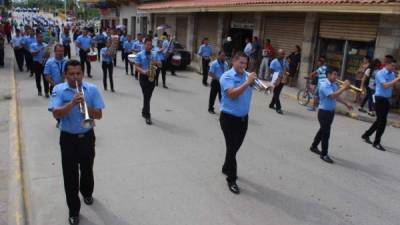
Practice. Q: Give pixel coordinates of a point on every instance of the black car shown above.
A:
(186, 56)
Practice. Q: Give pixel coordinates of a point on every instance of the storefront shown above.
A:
(346, 40)
(207, 27)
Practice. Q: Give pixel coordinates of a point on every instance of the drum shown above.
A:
(176, 60)
(92, 56)
(131, 58)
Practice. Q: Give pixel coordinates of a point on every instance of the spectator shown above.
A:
(294, 65)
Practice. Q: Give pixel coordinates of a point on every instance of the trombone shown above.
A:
(87, 121)
(351, 87)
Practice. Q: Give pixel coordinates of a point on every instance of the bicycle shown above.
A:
(305, 95)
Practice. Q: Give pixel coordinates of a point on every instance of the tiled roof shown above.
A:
(165, 4)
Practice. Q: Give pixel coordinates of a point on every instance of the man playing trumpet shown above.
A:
(77, 142)
(328, 95)
(144, 64)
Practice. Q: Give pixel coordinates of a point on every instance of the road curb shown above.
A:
(17, 208)
(353, 115)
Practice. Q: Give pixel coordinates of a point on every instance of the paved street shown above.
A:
(170, 173)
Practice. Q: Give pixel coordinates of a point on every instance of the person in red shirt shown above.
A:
(8, 30)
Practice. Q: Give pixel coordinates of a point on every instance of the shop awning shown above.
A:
(355, 6)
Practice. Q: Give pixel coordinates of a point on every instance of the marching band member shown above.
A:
(385, 80)
(205, 52)
(235, 105)
(16, 43)
(29, 39)
(127, 49)
(77, 143)
(279, 68)
(54, 68)
(38, 51)
(107, 65)
(143, 63)
(138, 47)
(217, 68)
(328, 94)
(66, 41)
(84, 43)
(161, 57)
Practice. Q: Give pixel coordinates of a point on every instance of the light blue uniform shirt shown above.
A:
(218, 68)
(100, 38)
(128, 46)
(248, 49)
(165, 46)
(240, 106)
(62, 94)
(38, 47)
(66, 39)
(278, 65)
(28, 40)
(55, 69)
(205, 50)
(104, 56)
(143, 60)
(384, 76)
(159, 54)
(138, 46)
(17, 41)
(326, 102)
(84, 41)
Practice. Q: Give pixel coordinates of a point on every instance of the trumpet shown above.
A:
(87, 121)
(351, 87)
(258, 85)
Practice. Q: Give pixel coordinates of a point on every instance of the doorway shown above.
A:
(239, 37)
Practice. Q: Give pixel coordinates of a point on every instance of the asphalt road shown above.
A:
(169, 173)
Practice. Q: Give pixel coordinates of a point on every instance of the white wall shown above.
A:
(126, 12)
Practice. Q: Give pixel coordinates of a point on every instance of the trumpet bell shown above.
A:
(88, 123)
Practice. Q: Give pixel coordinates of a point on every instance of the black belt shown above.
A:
(327, 111)
(238, 118)
(83, 135)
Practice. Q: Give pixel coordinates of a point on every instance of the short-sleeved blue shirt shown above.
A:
(100, 38)
(104, 56)
(144, 58)
(218, 67)
(28, 40)
(240, 106)
(66, 39)
(128, 46)
(326, 102)
(159, 54)
(62, 94)
(205, 50)
(279, 65)
(17, 41)
(38, 47)
(384, 76)
(84, 41)
(55, 69)
(138, 46)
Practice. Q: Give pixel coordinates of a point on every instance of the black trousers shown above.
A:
(67, 51)
(128, 63)
(19, 56)
(77, 154)
(325, 119)
(147, 90)
(2, 57)
(368, 98)
(107, 67)
(169, 65)
(123, 55)
(38, 70)
(99, 47)
(214, 91)
(28, 60)
(382, 106)
(163, 71)
(205, 65)
(276, 102)
(84, 59)
(115, 59)
(234, 129)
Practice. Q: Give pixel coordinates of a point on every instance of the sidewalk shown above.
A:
(393, 118)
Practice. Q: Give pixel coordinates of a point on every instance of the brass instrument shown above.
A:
(351, 87)
(87, 121)
(152, 74)
(258, 85)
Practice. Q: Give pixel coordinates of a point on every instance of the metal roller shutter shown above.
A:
(207, 27)
(285, 31)
(346, 27)
(160, 20)
(181, 30)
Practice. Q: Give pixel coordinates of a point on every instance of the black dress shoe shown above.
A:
(233, 187)
(379, 147)
(205, 84)
(224, 171)
(112, 90)
(47, 95)
(366, 139)
(40, 94)
(148, 121)
(73, 220)
(88, 200)
(211, 111)
(90, 76)
(315, 150)
(279, 111)
(272, 107)
(165, 86)
(327, 159)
